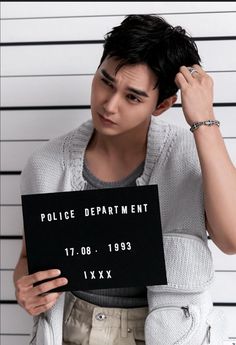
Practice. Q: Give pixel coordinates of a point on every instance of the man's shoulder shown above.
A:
(180, 132)
(56, 149)
(46, 166)
(51, 150)
(181, 144)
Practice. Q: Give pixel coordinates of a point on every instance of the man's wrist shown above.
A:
(208, 123)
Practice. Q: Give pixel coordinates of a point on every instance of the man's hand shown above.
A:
(196, 94)
(36, 299)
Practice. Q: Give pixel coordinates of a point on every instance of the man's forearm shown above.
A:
(21, 268)
(219, 183)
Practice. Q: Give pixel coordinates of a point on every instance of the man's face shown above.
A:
(122, 101)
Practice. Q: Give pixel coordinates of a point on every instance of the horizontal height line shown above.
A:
(215, 38)
(225, 271)
(9, 205)
(72, 42)
(22, 140)
(5, 172)
(15, 334)
(66, 17)
(12, 172)
(115, 15)
(223, 304)
(216, 304)
(11, 237)
(57, 75)
(46, 107)
(50, 43)
(56, 107)
(82, 75)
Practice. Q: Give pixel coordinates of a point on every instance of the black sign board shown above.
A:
(102, 238)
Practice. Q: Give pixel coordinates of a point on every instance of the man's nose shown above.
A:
(111, 104)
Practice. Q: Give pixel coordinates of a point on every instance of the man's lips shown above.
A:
(105, 119)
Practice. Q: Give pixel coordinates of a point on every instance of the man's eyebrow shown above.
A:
(108, 76)
(137, 91)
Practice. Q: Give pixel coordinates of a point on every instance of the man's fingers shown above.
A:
(47, 286)
(39, 305)
(180, 81)
(38, 310)
(199, 69)
(39, 276)
(189, 74)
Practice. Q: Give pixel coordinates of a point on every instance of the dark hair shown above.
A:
(149, 39)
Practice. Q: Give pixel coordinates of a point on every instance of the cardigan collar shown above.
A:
(158, 134)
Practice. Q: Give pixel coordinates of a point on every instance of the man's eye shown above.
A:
(107, 82)
(133, 98)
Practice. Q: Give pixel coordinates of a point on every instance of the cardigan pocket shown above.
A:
(181, 312)
(172, 325)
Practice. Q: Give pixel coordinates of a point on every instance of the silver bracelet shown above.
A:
(196, 125)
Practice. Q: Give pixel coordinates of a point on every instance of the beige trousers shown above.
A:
(88, 324)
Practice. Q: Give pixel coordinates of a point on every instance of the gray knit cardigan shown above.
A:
(180, 312)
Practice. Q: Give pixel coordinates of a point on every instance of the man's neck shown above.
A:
(124, 146)
(113, 158)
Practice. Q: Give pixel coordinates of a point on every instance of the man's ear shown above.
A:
(164, 105)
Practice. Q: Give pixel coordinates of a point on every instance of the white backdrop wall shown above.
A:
(49, 52)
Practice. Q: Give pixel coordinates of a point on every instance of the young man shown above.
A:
(145, 61)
